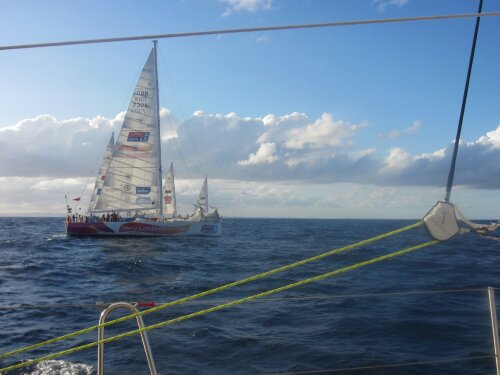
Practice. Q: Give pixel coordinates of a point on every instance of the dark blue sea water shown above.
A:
(362, 318)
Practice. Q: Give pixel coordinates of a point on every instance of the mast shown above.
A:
(160, 176)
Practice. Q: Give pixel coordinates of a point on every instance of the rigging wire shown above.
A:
(176, 140)
(451, 174)
(250, 30)
(386, 366)
(85, 186)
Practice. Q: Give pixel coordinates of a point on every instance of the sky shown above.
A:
(344, 122)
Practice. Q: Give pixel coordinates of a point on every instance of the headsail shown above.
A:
(170, 207)
(203, 197)
(133, 175)
(106, 160)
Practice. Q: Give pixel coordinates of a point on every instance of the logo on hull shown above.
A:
(209, 228)
(152, 229)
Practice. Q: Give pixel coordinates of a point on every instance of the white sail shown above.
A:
(203, 197)
(101, 175)
(133, 181)
(170, 206)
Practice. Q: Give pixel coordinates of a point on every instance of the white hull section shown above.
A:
(144, 227)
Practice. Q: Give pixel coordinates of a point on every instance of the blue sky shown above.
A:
(337, 122)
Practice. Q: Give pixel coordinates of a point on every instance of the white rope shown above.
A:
(251, 30)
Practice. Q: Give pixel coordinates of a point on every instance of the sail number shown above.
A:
(140, 101)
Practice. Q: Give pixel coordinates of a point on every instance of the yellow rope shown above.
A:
(215, 290)
(223, 306)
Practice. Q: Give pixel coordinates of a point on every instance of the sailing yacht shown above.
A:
(202, 212)
(128, 197)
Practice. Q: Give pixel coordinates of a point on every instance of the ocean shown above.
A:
(429, 307)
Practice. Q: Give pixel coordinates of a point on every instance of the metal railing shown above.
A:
(494, 326)
(144, 336)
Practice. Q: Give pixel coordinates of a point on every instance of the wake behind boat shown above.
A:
(128, 198)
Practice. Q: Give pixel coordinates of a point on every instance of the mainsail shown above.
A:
(99, 182)
(170, 206)
(133, 178)
(203, 197)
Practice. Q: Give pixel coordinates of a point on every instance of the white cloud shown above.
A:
(325, 151)
(266, 154)
(309, 158)
(169, 124)
(277, 126)
(411, 130)
(232, 120)
(289, 147)
(269, 120)
(491, 138)
(382, 5)
(360, 154)
(47, 146)
(438, 154)
(43, 158)
(397, 160)
(323, 132)
(26, 196)
(236, 6)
